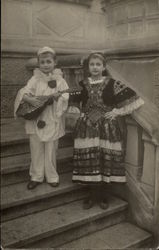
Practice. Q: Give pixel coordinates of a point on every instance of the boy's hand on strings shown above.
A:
(110, 115)
(33, 100)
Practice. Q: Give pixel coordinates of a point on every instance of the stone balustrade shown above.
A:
(142, 146)
(142, 168)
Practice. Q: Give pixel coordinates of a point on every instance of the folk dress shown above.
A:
(98, 145)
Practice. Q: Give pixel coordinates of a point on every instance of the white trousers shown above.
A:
(43, 160)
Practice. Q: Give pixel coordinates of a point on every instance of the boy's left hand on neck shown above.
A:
(56, 96)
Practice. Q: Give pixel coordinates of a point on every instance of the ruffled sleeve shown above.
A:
(28, 89)
(62, 103)
(126, 100)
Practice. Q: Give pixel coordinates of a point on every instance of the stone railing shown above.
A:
(142, 163)
(142, 168)
(142, 150)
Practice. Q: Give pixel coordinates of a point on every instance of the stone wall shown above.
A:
(142, 73)
(72, 26)
(132, 24)
(117, 27)
(14, 76)
(66, 25)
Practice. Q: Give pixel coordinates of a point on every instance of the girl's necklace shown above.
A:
(95, 81)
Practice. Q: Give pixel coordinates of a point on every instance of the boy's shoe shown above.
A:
(88, 203)
(54, 184)
(33, 184)
(104, 204)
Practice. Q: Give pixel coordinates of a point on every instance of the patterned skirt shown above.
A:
(98, 152)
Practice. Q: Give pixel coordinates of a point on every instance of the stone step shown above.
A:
(13, 132)
(21, 162)
(17, 200)
(121, 236)
(56, 226)
(13, 138)
(15, 168)
(14, 141)
(21, 145)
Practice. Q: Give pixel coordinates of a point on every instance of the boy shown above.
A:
(44, 131)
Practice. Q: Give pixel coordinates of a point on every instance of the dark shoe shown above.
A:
(54, 184)
(33, 184)
(88, 203)
(104, 204)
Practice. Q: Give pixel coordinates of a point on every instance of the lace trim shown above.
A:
(128, 109)
(96, 142)
(97, 178)
(118, 87)
(91, 81)
(127, 101)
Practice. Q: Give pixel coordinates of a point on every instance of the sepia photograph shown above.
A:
(79, 124)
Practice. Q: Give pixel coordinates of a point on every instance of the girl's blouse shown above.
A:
(53, 114)
(122, 99)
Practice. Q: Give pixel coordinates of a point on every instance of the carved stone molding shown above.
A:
(82, 2)
(107, 3)
(104, 4)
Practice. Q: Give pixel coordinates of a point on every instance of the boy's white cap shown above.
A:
(45, 49)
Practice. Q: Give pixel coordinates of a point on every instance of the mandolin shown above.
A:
(30, 112)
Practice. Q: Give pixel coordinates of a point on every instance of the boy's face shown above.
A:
(46, 63)
(96, 67)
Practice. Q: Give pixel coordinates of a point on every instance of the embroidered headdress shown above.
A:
(97, 55)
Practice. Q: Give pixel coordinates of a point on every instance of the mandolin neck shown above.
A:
(71, 91)
(64, 91)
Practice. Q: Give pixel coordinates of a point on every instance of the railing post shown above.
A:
(134, 149)
(148, 175)
(148, 172)
(156, 205)
(157, 178)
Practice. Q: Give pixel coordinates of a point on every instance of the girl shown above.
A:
(98, 145)
(45, 131)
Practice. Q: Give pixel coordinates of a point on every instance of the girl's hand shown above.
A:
(110, 115)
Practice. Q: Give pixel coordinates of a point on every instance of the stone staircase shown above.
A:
(53, 217)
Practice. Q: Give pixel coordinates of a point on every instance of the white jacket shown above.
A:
(53, 115)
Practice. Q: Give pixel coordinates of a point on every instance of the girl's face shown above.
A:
(96, 67)
(46, 63)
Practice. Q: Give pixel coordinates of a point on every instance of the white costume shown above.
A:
(44, 141)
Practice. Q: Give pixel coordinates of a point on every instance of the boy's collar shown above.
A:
(38, 72)
(54, 75)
